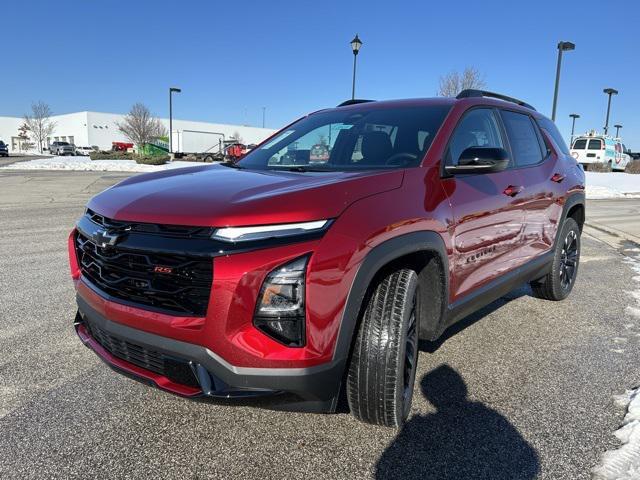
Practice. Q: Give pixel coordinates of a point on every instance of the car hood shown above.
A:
(215, 195)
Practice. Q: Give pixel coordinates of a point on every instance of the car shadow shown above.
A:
(463, 439)
(432, 346)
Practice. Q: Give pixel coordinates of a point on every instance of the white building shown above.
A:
(101, 129)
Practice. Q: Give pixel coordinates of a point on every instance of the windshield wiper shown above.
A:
(302, 168)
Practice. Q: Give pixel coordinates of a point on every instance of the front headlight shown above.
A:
(280, 310)
(263, 232)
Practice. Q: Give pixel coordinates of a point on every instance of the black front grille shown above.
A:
(175, 370)
(175, 231)
(175, 283)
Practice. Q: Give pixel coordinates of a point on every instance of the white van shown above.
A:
(594, 148)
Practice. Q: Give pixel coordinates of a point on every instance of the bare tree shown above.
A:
(39, 123)
(23, 138)
(140, 126)
(453, 83)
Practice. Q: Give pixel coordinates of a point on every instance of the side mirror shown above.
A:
(480, 160)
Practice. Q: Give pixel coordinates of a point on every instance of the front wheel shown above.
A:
(558, 283)
(383, 365)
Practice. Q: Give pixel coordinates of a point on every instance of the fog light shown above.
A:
(280, 310)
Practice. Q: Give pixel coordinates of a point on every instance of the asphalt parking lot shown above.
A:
(522, 389)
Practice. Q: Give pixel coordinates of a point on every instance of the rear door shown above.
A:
(488, 216)
(596, 151)
(536, 161)
(579, 149)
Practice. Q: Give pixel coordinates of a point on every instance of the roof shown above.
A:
(474, 98)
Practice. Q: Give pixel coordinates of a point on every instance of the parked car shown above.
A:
(594, 148)
(85, 151)
(61, 148)
(4, 149)
(277, 274)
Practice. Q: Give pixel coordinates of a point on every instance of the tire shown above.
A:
(383, 364)
(558, 283)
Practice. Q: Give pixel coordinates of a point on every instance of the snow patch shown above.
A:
(88, 165)
(624, 462)
(612, 185)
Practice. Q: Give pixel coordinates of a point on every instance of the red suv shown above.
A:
(280, 275)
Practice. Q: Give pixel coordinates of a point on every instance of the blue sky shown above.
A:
(292, 57)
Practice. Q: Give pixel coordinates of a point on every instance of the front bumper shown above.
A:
(308, 389)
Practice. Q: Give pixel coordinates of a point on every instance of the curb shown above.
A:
(613, 232)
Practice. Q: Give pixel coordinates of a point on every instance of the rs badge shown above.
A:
(160, 269)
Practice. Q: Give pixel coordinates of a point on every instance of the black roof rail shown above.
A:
(470, 93)
(354, 102)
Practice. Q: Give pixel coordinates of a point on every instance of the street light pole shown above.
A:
(263, 113)
(611, 92)
(573, 125)
(171, 90)
(562, 47)
(355, 47)
(618, 127)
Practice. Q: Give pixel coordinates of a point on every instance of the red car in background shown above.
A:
(278, 275)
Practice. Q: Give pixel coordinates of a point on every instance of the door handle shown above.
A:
(557, 177)
(512, 190)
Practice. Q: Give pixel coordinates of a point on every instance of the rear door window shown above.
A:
(580, 144)
(550, 127)
(523, 138)
(595, 144)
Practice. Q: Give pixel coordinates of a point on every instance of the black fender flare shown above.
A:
(576, 198)
(374, 261)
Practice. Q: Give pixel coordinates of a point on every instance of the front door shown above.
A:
(488, 215)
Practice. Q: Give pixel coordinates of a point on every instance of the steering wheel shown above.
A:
(407, 157)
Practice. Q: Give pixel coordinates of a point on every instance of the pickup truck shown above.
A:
(62, 148)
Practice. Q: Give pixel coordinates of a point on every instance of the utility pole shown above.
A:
(171, 91)
(573, 126)
(610, 92)
(562, 47)
(356, 43)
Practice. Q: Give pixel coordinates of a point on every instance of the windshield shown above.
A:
(344, 139)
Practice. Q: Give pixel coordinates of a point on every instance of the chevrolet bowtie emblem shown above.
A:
(105, 238)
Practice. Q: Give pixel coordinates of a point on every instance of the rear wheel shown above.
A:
(558, 283)
(382, 371)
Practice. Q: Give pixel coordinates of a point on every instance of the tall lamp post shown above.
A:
(171, 91)
(618, 127)
(562, 47)
(573, 125)
(610, 92)
(355, 47)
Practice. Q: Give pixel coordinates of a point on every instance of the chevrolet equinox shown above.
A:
(312, 267)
